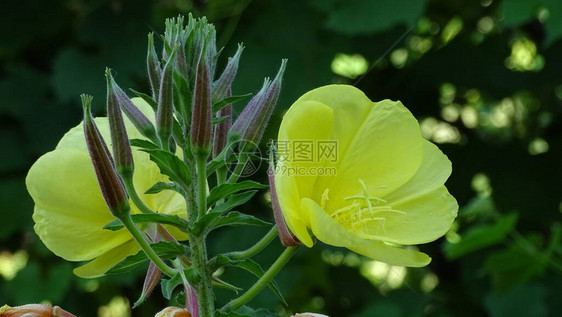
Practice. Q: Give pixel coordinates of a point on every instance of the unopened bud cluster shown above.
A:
(192, 104)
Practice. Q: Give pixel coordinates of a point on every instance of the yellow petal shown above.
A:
(384, 153)
(432, 174)
(289, 201)
(101, 264)
(69, 208)
(419, 220)
(329, 231)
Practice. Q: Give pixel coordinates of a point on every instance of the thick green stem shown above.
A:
(130, 186)
(145, 246)
(262, 282)
(256, 248)
(204, 289)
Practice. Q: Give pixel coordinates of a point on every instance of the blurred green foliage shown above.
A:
(483, 77)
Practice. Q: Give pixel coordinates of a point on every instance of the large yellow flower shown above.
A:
(383, 189)
(70, 211)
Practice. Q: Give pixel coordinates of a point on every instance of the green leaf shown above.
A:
(356, 16)
(170, 165)
(218, 120)
(235, 218)
(150, 218)
(168, 285)
(160, 186)
(228, 100)
(164, 249)
(226, 190)
(182, 98)
(481, 237)
(234, 201)
(220, 283)
(254, 268)
(153, 104)
(143, 144)
(246, 311)
(521, 262)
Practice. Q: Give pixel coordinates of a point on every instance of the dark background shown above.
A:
(483, 77)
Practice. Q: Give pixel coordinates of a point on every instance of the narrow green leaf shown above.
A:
(235, 218)
(220, 283)
(150, 218)
(164, 249)
(254, 268)
(217, 120)
(170, 165)
(226, 190)
(481, 237)
(160, 186)
(168, 285)
(234, 201)
(229, 100)
(143, 144)
(153, 104)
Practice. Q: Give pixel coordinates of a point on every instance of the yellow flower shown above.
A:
(367, 180)
(70, 211)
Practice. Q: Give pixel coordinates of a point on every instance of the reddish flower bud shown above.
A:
(221, 129)
(153, 66)
(119, 138)
(253, 120)
(165, 112)
(201, 119)
(34, 310)
(139, 120)
(285, 235)
(111, 185)
(222, 85)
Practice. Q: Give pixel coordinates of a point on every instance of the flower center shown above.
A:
(364, 208)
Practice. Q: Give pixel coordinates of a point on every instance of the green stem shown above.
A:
(130, 186)
(201, 164)
(262, 282)
(256, 248)
(204, 289)
(221, 175)
(145, 246)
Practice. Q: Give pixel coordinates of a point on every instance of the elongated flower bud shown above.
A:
(224, 83)
(139, 120)
(201, 119)
(153, 67)
(221, 129)
(165, 112)
(152, 277)
(110, 183)
(34, 310)
(285, 235)
(119, 138)
(244, 120)
(254, 118)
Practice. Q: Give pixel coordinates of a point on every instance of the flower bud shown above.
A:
(153, 66)
(222, 85)
(173, 312)
(285, 235)
(119, 139)
(165, 111)
(34, 310)
(176, 34)
(139, 120)
(201, 120)
(110, 183)
(254, 118)
(221, 129)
